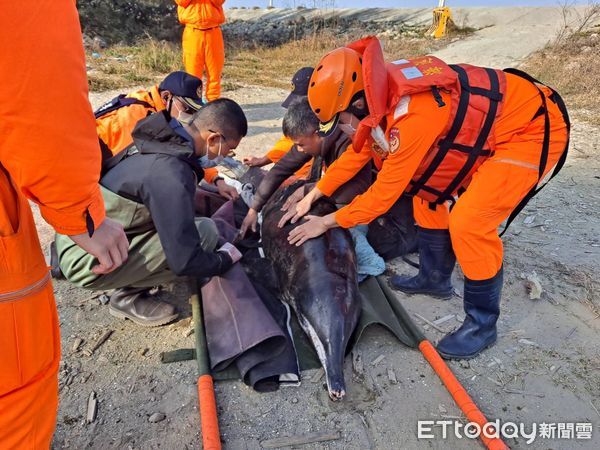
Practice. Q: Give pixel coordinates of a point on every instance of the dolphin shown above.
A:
(319, 281)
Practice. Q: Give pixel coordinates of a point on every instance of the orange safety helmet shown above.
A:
(335, 81)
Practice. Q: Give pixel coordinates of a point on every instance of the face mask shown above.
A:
(185, 118)
(348, 124)
(347, 129)
(206, 162)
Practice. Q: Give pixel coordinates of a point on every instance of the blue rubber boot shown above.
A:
(436, 263)
(478, 331)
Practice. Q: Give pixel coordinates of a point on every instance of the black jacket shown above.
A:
(331, 149)
(163, 175)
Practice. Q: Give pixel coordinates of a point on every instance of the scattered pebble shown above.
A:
(528, 342)
(157, 417)
(534, 286)
(76, 344)
(377, 360)
(392, 376)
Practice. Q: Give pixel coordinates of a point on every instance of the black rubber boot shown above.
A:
(478, 331)
(436, 263)
(138, 306)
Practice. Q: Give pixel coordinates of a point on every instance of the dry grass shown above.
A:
(570, 64)
(122, 66)
(571, 67)
(275, 67)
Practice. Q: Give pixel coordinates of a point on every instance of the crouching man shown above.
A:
(151, 193)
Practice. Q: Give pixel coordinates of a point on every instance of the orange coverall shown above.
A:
(56, 164)
(495, 190)
(115, 128)
(281, 147)
(203, 47)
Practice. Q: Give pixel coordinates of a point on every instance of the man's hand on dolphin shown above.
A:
(314, 227)
(293, 199)
(300, 210)
(249, 222)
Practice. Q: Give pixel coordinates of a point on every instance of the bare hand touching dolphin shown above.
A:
(302, 207)
(314, 227)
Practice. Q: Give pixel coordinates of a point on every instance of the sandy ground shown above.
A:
(544, 368)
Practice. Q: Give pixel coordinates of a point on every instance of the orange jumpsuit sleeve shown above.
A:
(343, 169)
(183, 3)
(49, 142)
(281, 147)
(417, 131)
(210, 174)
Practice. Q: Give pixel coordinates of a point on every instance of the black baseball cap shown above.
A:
(299, 85)
(185, 86)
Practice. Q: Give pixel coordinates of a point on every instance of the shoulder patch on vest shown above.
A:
(411, 72)
(394, 140)
(402, 107)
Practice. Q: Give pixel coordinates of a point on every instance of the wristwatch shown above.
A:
(217, 178)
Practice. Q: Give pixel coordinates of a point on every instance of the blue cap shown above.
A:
(299, 85)
(186, 86)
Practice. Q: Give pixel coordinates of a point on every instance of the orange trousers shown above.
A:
(204, 51)
(496, 188)
(29, 333)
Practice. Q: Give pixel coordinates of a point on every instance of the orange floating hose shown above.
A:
(211, 439)
(459, 393)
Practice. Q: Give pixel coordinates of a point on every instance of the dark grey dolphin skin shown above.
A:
(319, 281)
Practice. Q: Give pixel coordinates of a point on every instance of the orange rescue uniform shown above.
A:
(55, 163)
(203, 47)
(114, 128)
(495, 190)
(281, 147)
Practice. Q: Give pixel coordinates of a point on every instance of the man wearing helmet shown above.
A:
(470, 144)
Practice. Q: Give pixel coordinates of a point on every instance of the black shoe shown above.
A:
(436, 263)
(138, 306)
(478, 331)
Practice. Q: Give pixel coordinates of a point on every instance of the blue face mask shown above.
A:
(207, 163)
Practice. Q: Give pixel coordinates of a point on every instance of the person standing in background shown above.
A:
(202, 42)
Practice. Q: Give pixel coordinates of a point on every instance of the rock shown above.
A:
(528, 342)
(99, 43)
(76, 344)
(534, 286)
(157, 417)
